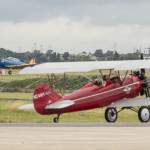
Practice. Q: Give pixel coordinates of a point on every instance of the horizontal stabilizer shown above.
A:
(26, 107)
(131, 102)
(60, 104)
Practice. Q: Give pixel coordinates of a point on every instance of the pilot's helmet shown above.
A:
(105, 77)
(137, 73)
(98, 82)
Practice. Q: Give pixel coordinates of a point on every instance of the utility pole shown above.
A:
(34, 46)
(114, 47)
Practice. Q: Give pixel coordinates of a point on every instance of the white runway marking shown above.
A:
(74, 138)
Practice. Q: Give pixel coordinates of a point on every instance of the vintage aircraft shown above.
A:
(115, 93)
(14, 63)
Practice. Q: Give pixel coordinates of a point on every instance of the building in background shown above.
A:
(146, 53)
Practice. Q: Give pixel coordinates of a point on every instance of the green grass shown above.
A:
(15, 96)
(16, 77)
(71, 82)
(9, 103)
(9, 113)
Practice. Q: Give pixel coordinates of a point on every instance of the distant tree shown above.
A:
(109, 53)
(49, 55)
(49, 52)
(39, 56)
(84, 53)
(99, 53)
(66, 55)
(116, 55)
(58, 57)
(6, 53)
(129, 56)
(54, 57)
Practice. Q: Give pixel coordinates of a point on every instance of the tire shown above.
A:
(55, 120)
(144, 114)
(111, 114)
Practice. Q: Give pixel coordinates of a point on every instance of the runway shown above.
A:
(69, 136)
(96, 124)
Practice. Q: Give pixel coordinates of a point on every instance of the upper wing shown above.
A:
(61, 67)
(133, 65)
(135, 102)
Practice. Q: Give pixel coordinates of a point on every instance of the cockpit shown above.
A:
(106, 81)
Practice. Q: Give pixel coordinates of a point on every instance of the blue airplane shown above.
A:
(14, 63)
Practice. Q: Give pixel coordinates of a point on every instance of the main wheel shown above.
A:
(144, 114)
(55, 120)
(111, 114)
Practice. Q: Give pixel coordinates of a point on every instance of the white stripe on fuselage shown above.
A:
(78, 99)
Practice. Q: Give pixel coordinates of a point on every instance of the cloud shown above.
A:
(105, 12)
(75, 24)
(63, 35)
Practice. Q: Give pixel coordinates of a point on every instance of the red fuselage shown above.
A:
(91, 96)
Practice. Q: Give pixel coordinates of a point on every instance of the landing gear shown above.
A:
(111, 114)
(56, 119)
(144, 114)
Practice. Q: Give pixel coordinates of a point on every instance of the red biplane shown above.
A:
(115, 93)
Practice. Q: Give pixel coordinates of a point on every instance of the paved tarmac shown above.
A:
(95, 124)
(89, 136)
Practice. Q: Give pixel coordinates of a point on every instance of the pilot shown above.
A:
(136, 73)
(142, 75)
(145, 83)
(145, 89)
(116, 79)
(98, 82)
(106, 80)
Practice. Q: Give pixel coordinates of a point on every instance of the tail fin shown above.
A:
(32, 61)
(43, 95)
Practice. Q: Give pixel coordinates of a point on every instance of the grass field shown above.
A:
(8, 78)
(9, 112)
(15, 96)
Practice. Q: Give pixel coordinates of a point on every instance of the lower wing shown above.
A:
(135, 102)
(66, 103)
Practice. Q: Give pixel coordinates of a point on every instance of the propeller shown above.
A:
(145, 87)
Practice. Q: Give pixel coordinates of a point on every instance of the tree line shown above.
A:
(53, 56)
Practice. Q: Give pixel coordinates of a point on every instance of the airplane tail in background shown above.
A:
(32, 61)
(44, 95)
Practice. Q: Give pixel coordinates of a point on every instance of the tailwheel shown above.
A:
(56, 119)
(144, 114)
(111, 114)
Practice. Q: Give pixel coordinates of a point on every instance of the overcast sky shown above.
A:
(74, 25)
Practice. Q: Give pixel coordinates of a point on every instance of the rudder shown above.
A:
(44, 95)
